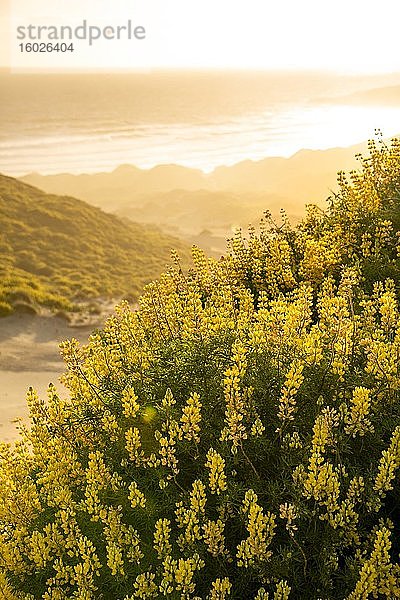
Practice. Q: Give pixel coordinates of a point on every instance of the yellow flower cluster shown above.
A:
(388, 465)
(191, 418)
(236, 410)
(287, 403)
(319, 259)
(145, 586)
(322, 482)
(213, 534)
(324, 428)
(287, 512)
(130, 405)
(133, 445)
(216, 476)
(377, 574)
(357, 421)
(167, 438)
(254, 549)
(189, 518)
(179, 574)
(162, 543)
(136, 497)
(272, 375)
(221, 589)
(282, 592)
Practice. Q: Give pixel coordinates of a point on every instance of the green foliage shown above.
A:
(238, 436)
(56, 250)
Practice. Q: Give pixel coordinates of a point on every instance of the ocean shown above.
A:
(90, 122)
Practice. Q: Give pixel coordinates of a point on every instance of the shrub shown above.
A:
(5, 309)
(238, 436)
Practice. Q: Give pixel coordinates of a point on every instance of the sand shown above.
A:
(29, 356)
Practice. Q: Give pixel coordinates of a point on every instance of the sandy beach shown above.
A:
(29, 356)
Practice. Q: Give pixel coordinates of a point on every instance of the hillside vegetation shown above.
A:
(56, 250)
(238, 436)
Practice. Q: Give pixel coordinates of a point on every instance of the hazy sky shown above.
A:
(344, 35)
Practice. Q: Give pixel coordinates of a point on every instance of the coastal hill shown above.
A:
(381, 96)
(307, 176)
(202, 207)
(57, 251)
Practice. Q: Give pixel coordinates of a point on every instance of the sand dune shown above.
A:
(29, 356)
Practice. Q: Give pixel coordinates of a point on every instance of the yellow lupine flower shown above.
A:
(388, 308)
(260, 527)
(168, 400)
(356, 489)
(287, 403)
(388, 465)
(221, 589)
(217, 477)
(262, 594)
(6, 591)
(257, 429)
(189, 518)
(41, 550)
(322, 482)
(214, 537)
(115, 559)
(191, 418)
(323, 430)
(356, 420)
(198, 496)
(235, 398)
(167, 585)
(110, 426)
(287, 511)
(184, 573)
(162, 543)
(133, 445)
(136, 497)
(130, 404)
(145, 587)
(377, 574)
(97, 473)
(282, 591)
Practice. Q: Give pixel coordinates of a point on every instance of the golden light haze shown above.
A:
(357, 36)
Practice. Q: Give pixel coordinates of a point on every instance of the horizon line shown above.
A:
(199, 69)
